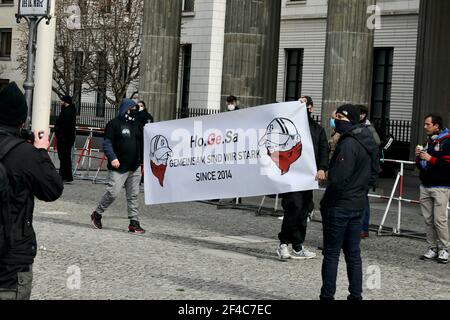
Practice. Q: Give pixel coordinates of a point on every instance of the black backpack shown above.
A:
(6, 145)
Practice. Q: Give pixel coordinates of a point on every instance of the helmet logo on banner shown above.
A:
(283, 143)
(160, 153)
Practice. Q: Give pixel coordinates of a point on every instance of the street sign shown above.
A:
(36, 8)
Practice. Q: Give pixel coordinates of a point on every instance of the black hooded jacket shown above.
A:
(353, 168)
(65, 125)
(31, 174)
(320, 143)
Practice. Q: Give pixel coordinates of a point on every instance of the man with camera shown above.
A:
(26, 171)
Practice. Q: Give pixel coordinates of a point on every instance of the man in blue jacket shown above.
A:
(353, 167)
(123, 148)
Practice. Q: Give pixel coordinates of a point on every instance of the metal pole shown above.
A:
(389, 205)
(400, 199)
(28, 85)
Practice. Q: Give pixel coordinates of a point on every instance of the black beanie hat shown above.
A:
(352, 112)
(67, 99)
(13, 106)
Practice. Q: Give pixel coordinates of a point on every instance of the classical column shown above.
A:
(432, 84)
(160, 57)
(250, 64)
(348, 55)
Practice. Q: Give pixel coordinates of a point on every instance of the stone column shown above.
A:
(250, 64)
(432, 84)
(348, 56)
(160, 57)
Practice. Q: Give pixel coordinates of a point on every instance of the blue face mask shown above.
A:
(332, 124)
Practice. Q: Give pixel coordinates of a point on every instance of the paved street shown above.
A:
(195, 251)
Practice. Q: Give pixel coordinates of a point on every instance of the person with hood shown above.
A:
(353, 168)
(30, 173)
(298, 205)
(65, 137)
(123, 148)
(433, 161)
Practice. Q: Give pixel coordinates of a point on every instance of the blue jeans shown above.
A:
(341, 230)
(366, 216)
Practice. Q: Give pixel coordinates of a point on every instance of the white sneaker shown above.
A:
(303, 254)
(283, 252)
(430, 254)
(443, 256)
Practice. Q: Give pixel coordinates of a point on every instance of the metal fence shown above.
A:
(400, 129)
(88, 114)
(98, 115)
(195, 112)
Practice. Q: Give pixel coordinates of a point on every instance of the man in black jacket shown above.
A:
(65, 137)
(123, 148)
(31, 174)
(297, 205)
(353, 167)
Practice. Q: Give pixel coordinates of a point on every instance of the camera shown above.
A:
(28, 135)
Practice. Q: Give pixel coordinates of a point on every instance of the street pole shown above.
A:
(28, 85)
(33, 13)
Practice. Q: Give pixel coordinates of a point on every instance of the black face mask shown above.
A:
(343, 126)
(132, 115)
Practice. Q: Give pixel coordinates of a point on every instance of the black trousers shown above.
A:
(65, 159)
(296, 206)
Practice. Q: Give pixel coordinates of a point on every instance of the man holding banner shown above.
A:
(297, 205)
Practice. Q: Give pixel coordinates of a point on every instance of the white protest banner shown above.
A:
(250, 152)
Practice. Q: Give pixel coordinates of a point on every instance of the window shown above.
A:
(294, 74)
(382, 83)
(381, 89)
(187, 53)
(3, 83)
(5, 43)
(188, 5)
(7, 2)
(106, 6)
(83, 4)
(128, 6)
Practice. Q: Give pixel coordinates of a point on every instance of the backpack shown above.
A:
(7, 144)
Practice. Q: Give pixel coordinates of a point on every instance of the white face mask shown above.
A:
(231, 107)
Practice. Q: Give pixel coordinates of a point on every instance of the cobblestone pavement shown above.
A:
(195, 251)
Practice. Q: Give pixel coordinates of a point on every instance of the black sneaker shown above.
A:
(96, 220)
(135, 227)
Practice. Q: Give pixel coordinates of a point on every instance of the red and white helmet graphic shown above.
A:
(160, 152)
(283, 143)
